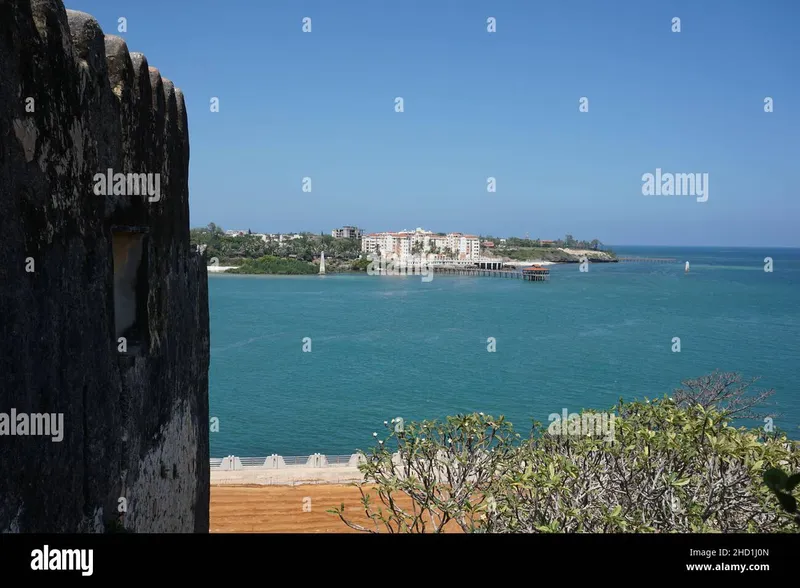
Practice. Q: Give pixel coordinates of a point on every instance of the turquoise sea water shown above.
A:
(384, 346)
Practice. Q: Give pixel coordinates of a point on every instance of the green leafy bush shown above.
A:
(674, 464)
(782, 485)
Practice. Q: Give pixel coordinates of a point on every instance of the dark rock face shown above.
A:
(74, 103)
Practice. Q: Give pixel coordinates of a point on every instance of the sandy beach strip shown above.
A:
(220, 268)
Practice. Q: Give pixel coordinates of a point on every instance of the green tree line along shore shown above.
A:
(671, 465)
(251, 254)
(519, 249)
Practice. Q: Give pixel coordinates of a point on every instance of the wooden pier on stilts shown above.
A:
(530, 274)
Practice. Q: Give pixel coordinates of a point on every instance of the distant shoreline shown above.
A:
(568, 256)
(220, 269)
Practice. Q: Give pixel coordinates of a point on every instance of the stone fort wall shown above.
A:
(103, 303)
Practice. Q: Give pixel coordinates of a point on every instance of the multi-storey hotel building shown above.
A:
(406, 243)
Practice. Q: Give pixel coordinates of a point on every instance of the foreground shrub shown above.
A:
(675, 464)
(782, 484)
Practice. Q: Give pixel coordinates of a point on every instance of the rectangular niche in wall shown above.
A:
(129, 246)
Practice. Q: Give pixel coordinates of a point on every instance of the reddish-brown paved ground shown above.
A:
(279, 509)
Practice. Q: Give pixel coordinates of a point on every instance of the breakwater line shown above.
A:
(273, 462)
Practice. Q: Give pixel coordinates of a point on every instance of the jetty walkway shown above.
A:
(530, 274)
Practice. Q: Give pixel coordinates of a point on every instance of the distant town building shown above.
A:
(280, 238)
(545, 243)
(235, 233)
(488, 244)
(347, 233)
(405, 243)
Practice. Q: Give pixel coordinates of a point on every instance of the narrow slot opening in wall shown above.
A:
(130, 288)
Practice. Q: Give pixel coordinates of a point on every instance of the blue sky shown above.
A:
(505, 105)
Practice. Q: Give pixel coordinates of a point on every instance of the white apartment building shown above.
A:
(347, 233)
(464, 247)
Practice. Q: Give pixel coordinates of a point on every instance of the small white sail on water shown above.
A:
(687, 267)
(322, 264)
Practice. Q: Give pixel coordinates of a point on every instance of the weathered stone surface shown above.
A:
(135, 424)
